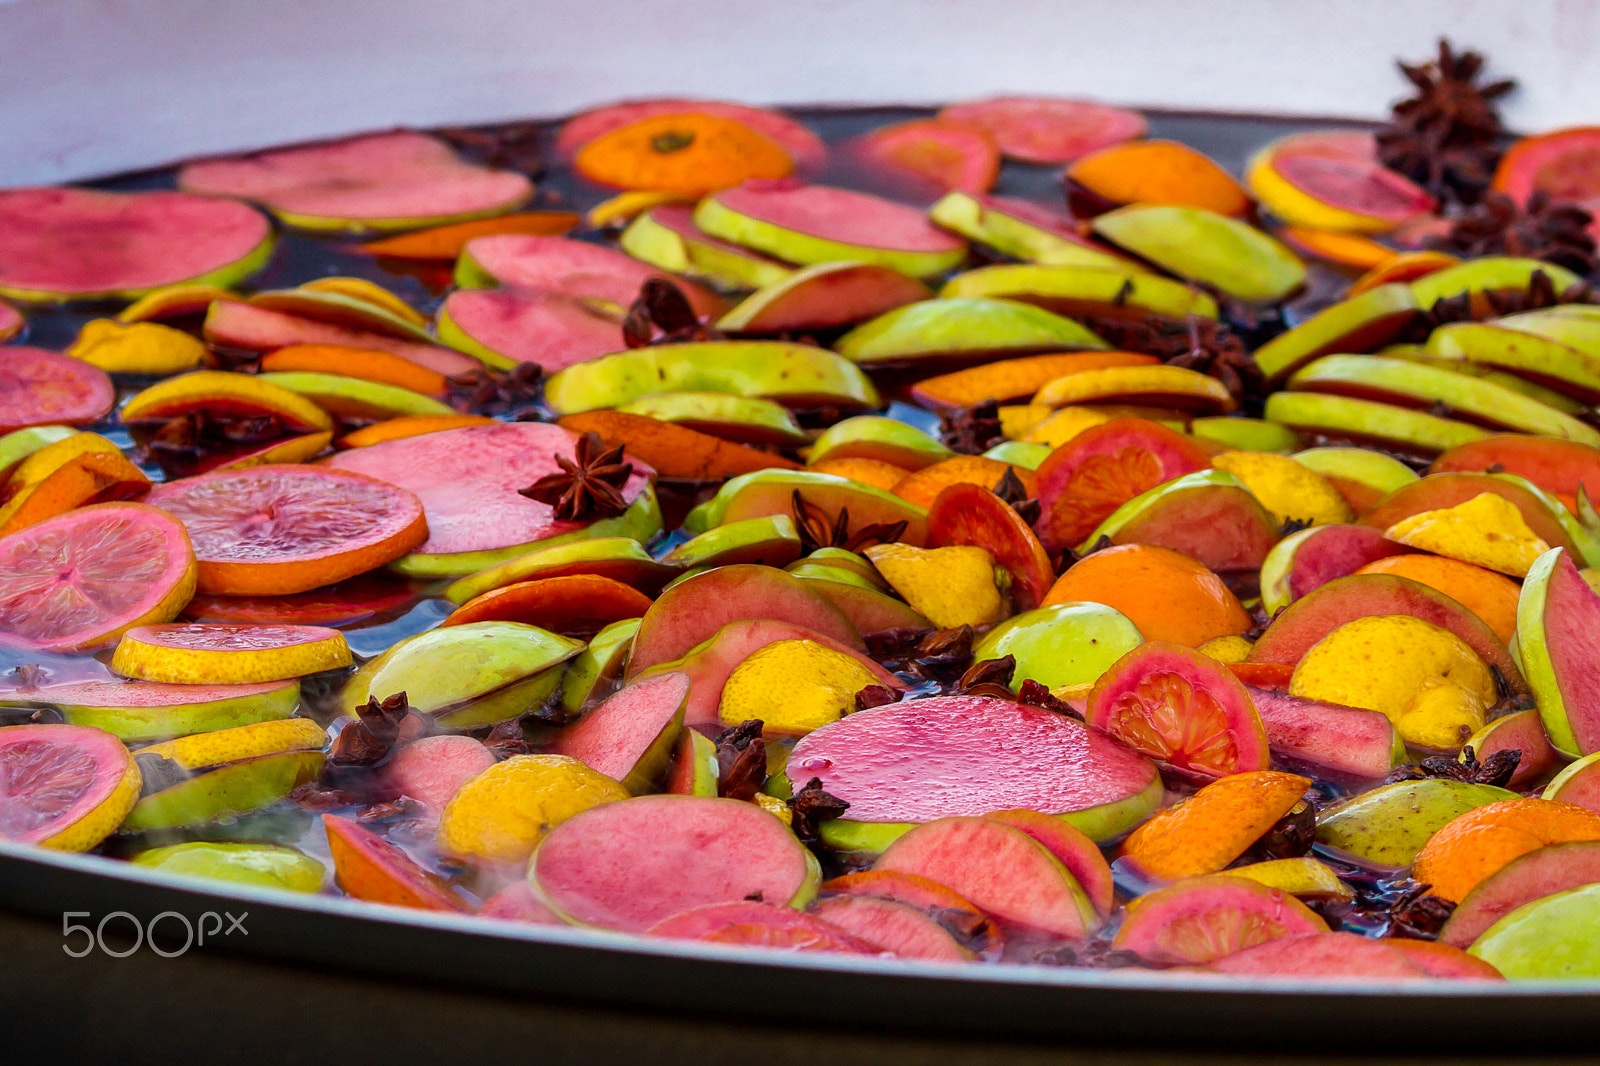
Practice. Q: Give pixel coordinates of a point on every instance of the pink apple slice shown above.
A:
(1343, 740)
(506, 326)
(517, 903)
(1540, 873)
(431, 769)
(823, 297)
(234, 324)
(629, 737)
(896, 928)
(761, 925)
(1048, 130)
(1201, 919)
(573, 268)
(39, 388)
(1321, 956)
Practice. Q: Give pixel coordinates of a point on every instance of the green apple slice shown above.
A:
(1570, 324)
(1231, 256)
(260, 865)
(19, 444)
(137, 711)
(1078, 290)
(1366, 421)
(794, 374)
(1061, 644)
(596, 666)
(1417, 385)
(356, 399)
(963, 329)
(1387, 826)
(340, 310)
(234, 789)
(1358, 324)
(1024, 230)
(888, 440)
(1246, 434)
(667, 237)
(742, 419)
(1552, 937)
(1489, 274)
(1545, 360)
(1525, 386)
(1021, 453)
(770, 540)
(1555, 616)
(442, 668)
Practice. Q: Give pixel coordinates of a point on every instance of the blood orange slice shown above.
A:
(39, 387)
(971, 514)
(64, 786)
(1186, 709)
(200, 654)
(806, 147)
(79, 580)
(1048, 129)
(273, 530)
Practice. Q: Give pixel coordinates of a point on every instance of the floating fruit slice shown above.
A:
(741, 419)
(1360, 323)
(140, 348)
(749, 923)
(666, 237)
(950, 909)
(369, 364)
(446, 242)
(1523, 732)
(408, 426)
(1062, 645)
(354, 303)
(468, 481)
(1321, 956)
(1207, 918)
(967, 514)
(1333, 738)
(628, 865)
(1476, 844)
(1157, 172)
(949, 586)
(85, 478)
(798, 375)
(1490, 596)
(1118, 293)
(1333, 190)
(1401, 267)
(221, 392)
(78, 581)
(1215, 826)
(1305, 877)
(84, 244)
(1541, 872)
(963, 329)
(354, 399)
(1476, 277)
(503, 813)
(1001, 869)
(1559, 163)
(1369, 423)
(65, 787)
(380, 181)
(819, 684)
(1289, 490)
(214, 654)
(1011, 380)
(897, 928)
(1181, 708)
(1235, 258)
(618, 558)
(826, 497)
(630, 736)
(818, 224)
(951, 155)
(235, 324)
(368, 867)
(257, 865)
(39, 388)
(1026, 230)
(1439, 492)
(1208, 515)
(806, 148)
(1558, 467)
(1303, 562)
(1556, 609)
(1549, 937)
(675, 451)
(571, 604)
(1161, 386)
(146, 710)
(272, 530)
(343, 604)
(887, 440)
(1049, 130)
(994, 754)
(823, 297)
(571, 268)
(1386, 826)
(431, 770)
(1074, 850)
(11, 321)
(1362, 477)
(17, 446)
(517, 903)
(1166, 594)
(238, 743)
(1337, 247)
(685, 152)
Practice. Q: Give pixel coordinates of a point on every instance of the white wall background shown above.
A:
(90, 87)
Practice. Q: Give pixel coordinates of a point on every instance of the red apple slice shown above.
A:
(629, 737)
(953, 911)
(1333, 738)
(1049, 130)
(903, 931)
(504, 327)
(1322, 956)
(572, 268)
(430, 770)
(761, 925)
(517, 903)
(1072, 848)
(1540, 873)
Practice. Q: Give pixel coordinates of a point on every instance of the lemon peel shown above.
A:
(1487, 530)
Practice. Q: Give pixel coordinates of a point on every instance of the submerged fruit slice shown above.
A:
(39, 388)
(148, 710)
(1556, 616)
(1182, 708)
(258, 865)
(823, 297)
(1215, 826)
(686, 153)
(369, 867)
(504, 327)
(1207, 918)
(1049, 130)
(951, 155)
(628, 865)
(64, 786)
(569, 267)
(993, 754)
(78, 581)
(446, 242)
(751, 923)
(1322, 956)
(11, 321)
(503, 813)
(380, 181)
(1203, 246)
(79, 244)
(272, 530)
(895, 927)
(818, 224)
(1071, 848)
(203, 654)
(1167, 594)
(1157, 172)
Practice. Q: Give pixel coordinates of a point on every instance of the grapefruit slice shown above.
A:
(79, 580)
(1202, 919)
(468, 481)
(971, 514)
(806, 147)
(217, 654)
(570, 604)
(896, 927)
(381, 181)
(1049, 130)
(1182, 708)
(1562, 164)
(1321, 956)
(39, 387)
(64, 786)
(274, 530)
(82, 244)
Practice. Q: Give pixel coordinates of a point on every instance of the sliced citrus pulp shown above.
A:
(39, 387)
(79, 580)
(214, 654)
(64, 786)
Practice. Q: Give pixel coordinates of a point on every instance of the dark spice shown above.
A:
(1011, 490)
(512, 393)
(1497, 769)
(1556, 233)
(588, 486)
(816, 532)
(1445, 137)
(741, 760)
(972, 430)
(876, 696)
(1194, 343)
(371, 737)
(513, 145)
(1090, 954)
(662, 314)
(810, 806)
(1035, 694)
(1290, 836)
(1418, 915)
(991, 677)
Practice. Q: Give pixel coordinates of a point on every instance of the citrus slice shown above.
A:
(1203, 919)
(1186, 709)
(806, 147)
(64, 786)
(1049, 130)
(685, 152)
(78, 580)
(39, 387)
(201, 654)
(951, 155)
(11, 321)
(273, 530)
(225, 394)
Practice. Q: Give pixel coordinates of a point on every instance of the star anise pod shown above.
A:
(1010, 489)
(1444, 137)
(972, 430)
(371, 737)
(1497, 769)
(1034, 694)
(1194, 343)
(876, 696)
(741, 760)
(815, 531)
(515, 145)
(588, 486)
(179, 443)
(1290, 836)
(511, 393)
(895, 646)
(662, 314)
(1419, 915)
(812, 805)
(943, 655)
(991, 677)
(1556, 233)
